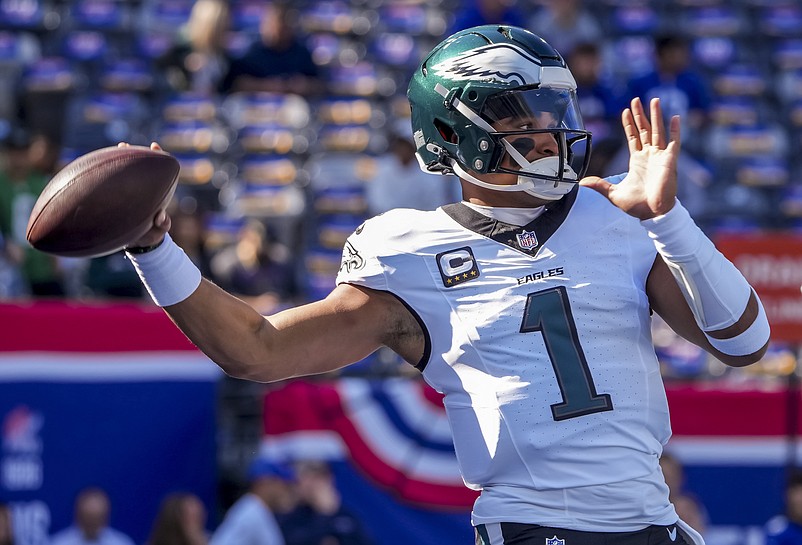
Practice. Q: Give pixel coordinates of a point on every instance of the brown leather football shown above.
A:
(102, 201)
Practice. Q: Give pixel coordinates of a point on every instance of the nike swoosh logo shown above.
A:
(672, 533)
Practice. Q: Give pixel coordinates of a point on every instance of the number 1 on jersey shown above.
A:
(549, 312)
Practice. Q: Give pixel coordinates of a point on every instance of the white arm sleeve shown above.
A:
(715, 289)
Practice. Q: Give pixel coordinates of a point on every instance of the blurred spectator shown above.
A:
(786, 529)
(91, 523)
(181, 521)
(278, 62)
(487, 12)
(320, 518)
(198, 61)
(565, 24)
(688, 507)
(6, 528)
(600, 103)
(251, 520)
(28, 164)
(400, 183)
(256, 268)
(682, 91)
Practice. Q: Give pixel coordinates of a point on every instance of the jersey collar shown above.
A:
(518, 238)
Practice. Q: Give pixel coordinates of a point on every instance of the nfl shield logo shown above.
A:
(527, 240)
(554, 541)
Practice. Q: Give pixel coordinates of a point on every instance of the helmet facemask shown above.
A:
(538, 136)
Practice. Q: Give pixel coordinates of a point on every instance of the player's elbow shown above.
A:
(254, 359)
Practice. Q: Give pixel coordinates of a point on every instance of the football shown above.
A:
(102, 201)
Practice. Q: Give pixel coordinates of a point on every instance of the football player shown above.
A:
(527, 304)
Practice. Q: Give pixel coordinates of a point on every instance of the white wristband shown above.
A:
(167, 273)
(748, 342)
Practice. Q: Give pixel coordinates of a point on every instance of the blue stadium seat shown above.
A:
(762, 171)
(789, 85)
(126, 75)
(193, 136)
(103, 119)
(327, 48)
(197, 169)
(220, 230)
(339, 200)
(190, 107)
(786, 54)
(629, 56)
(163, 17)
(760, 139)
(404, 17)
(268, 170)
(348, 111)
(397, 50)
(740, 79)
(339, 170)
(246, 16)
(51, 74)
(721, 20)
(105, 15)
(85, 46)
(29, 15)
(320, 271)
(714, 52)
(333, 16)
(791, 200)
(334, 229)
(359, 79)
(289, 111)
(634, 19)
(268, 201)
(736, 110)
(784, 21)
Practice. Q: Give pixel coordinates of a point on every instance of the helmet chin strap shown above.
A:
(532, 186)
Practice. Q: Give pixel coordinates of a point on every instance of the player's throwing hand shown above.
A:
(650, 187)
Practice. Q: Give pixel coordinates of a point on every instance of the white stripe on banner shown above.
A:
(426, 419)
(106, 367)
(724, 451)
(394, 448)
(306, 444)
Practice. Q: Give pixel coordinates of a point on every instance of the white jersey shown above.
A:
(539, 337)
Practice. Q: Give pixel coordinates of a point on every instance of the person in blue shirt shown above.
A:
(278, 62)
(681, 89)
(786, 529)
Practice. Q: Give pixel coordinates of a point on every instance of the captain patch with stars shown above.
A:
(457, 266)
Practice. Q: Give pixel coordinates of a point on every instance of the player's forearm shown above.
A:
(229, 331)
(723, 303)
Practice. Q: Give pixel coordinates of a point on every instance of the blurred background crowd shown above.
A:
(291, 125)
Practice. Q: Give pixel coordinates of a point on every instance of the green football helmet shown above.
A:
(499, 99)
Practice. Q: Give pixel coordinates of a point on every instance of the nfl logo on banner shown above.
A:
(527, 240)
(554, 541)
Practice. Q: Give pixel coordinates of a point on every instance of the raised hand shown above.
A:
(650, 186)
